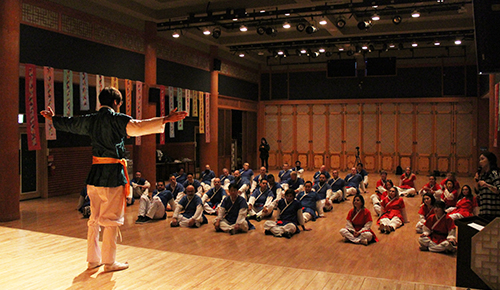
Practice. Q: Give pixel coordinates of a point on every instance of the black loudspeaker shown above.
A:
(217, 64)
(487, 34)
(154, 95)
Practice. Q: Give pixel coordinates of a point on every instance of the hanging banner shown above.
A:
(48, 83)
(180, 123)
(162, 112)
(194, 96)
(68, 93)
(497, 119)
(31, 109)
(207, 117)
(201, 117)
(188, 102)
(170, 109)
(128, 97)
(114, 83)
(99, 86)
(138, 106)
(84, 92)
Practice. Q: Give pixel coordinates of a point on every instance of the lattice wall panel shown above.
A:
(287, 158)
(369, 133)
(351, 162)
(443, 134)
(443, 107)
(369, 162)
(302, 133)
(424, 133)
(464, 134)
(319, 160)
(287, 109)
(287, 133)
(388, 108)
(272, 131)
(387, 128)
(405, 108)
(271, 109)
(319, 109)
(335, 133)
(405, 161)
(319, 133)
(335, 161)
(405, 133)
(387, 163)
(463, 165)
(444, 164)
(273, 160)
(40, 16)
(424, 108)
(303, 160)
(335, 109)
(465, 107)
(352, 132)
(302, 109)
(423, 164)
(369, 108)
(352, 108)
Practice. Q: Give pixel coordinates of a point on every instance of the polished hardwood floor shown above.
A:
(45, 249)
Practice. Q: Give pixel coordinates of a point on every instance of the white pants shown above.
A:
(184, 222)
(351, 191)
(419, 226)
(206, 187)
(426, 242)
(107, 205)
(376, 203)
(154, 209)
(407, 191)
(365, 181)
(337, 196)
(307, 216)
(208, 209)
(395, 222)
(280, 230)
(138, 192)
(456, 216)
(320, 205)
(226, 226)
(284, 186)
(261, 213)
(363, 236)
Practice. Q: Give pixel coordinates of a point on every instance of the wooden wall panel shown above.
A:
(72, 167)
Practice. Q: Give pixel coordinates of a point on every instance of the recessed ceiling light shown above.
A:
(323, 22)
(286, 25)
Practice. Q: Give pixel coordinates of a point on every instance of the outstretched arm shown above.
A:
(174, 116)
(48, 114)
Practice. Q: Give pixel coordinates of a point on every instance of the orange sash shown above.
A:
(110, 160)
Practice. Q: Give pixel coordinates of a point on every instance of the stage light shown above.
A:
(323, 22)
(437, 43)
(287, 14)
(364, 25)
(314, 54)
(176, 34)
(458, 41)
(414, 44)
(216, 32)
(341, 49)
(397, 19)
(375, 17)
(415, 14)
(340, 22)
(280, 52)
(270, 30)
(364, 47)
(286, 25)
(243, 28)
(241, 54)
(206, 31)
(261, 30)
(311, 29)
(392, 45)
(301, 27)
(303, 51)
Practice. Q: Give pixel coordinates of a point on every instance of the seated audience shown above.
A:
(359, 221)
(298, 168)
(438, 231)
(322, 170)
(232, 214)
(154, 207)
(139, 185)
(284, 176)
(449, 195)
(180, 175)
(195, 183)
(226, 178)
(206, 178)
(189, 211)
(337, 185)
(381, 189)
(323, 190)
(256, 180)
(453, 177)
(361, 170)
(466, 205)
(354, 183)
(407, 183)
(261, 202)
(289, 218)
(212, 198)
(176, 189)
(242, 184)
(308, 200)
(246, 171)
(393, 212)
(425, 211)
(275, 189)
(295, 182)
(431, 187)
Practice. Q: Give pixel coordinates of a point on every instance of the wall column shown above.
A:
(145, 154)
(10, 17)
(492, 101)
(209, 152)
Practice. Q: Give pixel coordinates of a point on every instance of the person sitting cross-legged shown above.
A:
(289, 217)
(154, 207)
(232, 215)
(261, 202)
(189, 211)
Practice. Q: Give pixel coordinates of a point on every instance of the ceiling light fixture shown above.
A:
(243, 28)
(392, 45)
(242, 54)
(437, 43)
(216, 32)
(303, 51)
(323, 22)
(341, 49)
(340, 22)
(415, 14)
(176, 34)
(375, 17)
(458, 41)
(364, 25)
(322, 50)
(261, 30)
(397, 19)
(311, 29)
(301, 27)
(286, 25)
(206, 31)
(414, 44)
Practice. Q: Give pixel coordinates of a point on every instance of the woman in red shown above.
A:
(466, 205)
(450, 194)
(426, 210)
(439, 232)
(359, 222)
(407, 183)
(393, 212)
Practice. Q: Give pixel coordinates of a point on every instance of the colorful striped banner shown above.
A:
(99, 86)
(180, 123)
(84, 92)
(194, 96)
(162, 111)
(138, 106)
(171, 108)
(48, 82)
(31, 109)
(188, 102)
(201, 117)
(68, 93)
(207, 117)
(114, 83)
(128, 97)
(497, 112)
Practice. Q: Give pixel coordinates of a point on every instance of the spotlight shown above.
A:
(323, 22)
(364, 25)
(261, 30)
(242, 54)
(392, 45)
(322, 50)
(397, 19)
(303, 51)
(287, 14)
(216, 32)
(176, 34)
(270, 30)
(414, 44)
(340, 22)
(280, 52)
(206, 31)
(364, 47)
(301, 27)
(375, 17)
(341, 49)
(458, 41)
(311, 29)
(437, 43)
(415, 14)
(243, 28)
(286, 25)
(314, 54)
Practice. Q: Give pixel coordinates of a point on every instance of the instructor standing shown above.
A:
(107, 182)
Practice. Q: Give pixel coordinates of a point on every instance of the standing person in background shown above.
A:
(264, 152)
(488, 185)
(107, 183)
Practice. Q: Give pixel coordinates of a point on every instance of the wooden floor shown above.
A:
(45, 249)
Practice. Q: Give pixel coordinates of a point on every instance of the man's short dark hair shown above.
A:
(233, 185)
(108, 95)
